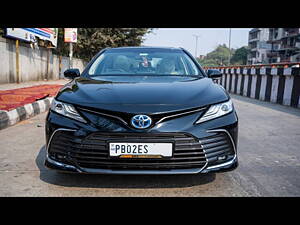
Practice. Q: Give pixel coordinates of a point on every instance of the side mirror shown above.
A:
(214, 74)
(72, 73)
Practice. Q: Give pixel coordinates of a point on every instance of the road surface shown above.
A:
(268, 150)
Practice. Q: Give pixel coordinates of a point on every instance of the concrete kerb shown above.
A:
(9, 118)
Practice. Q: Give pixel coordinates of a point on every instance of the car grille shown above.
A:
(92, 151)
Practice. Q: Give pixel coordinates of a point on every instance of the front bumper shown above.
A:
(223, 129)
(62, 167)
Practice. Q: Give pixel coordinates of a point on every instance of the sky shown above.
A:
(209, 38)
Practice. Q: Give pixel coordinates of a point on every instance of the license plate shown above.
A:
(141, 150)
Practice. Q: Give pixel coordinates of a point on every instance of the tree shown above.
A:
(1, 32)
(240, 56)
(207, 62)
(218, 57)
(91, 40)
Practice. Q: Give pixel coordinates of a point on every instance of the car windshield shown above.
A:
(143, 61)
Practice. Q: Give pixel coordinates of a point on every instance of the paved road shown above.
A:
(269, 156)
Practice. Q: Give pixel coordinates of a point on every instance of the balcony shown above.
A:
(285, 59)
(291, 33)
(274, 41)
(253, 39)
(276, 47)
(295, 58)
(272, 54)
(287, 47)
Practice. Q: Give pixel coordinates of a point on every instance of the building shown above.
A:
(258, 45)
(285, 45)
(274, 45)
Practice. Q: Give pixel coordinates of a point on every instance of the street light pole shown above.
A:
(229, 46)
(197, 36)
(71, 56)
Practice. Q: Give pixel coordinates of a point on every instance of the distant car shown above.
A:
(142, 110)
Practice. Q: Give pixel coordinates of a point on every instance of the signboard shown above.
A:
(71, 35)
(32, 34)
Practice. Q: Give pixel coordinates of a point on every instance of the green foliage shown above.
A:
(1, 32)
(240, 56)
(208, 62)
(91, 40)
(220, 56)
(217, 57)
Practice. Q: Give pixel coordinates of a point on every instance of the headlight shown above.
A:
(216, 111)
(67, 110)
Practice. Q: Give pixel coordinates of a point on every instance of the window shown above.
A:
(141, 61)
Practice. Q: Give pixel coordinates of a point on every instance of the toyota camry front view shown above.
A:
(142, 110)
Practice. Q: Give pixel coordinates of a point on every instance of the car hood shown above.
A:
(142, 95)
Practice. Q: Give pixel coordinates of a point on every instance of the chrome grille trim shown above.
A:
(159, 121)
(52, 135)
(104, 114)
(53, 161)
(234, 149)
(180, 114)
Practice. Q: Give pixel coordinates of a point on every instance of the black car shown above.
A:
(142, 110)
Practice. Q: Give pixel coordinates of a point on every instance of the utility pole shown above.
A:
(197, 36)
(71, 37)
(229, 46)
(17, 61)
(71, 56)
